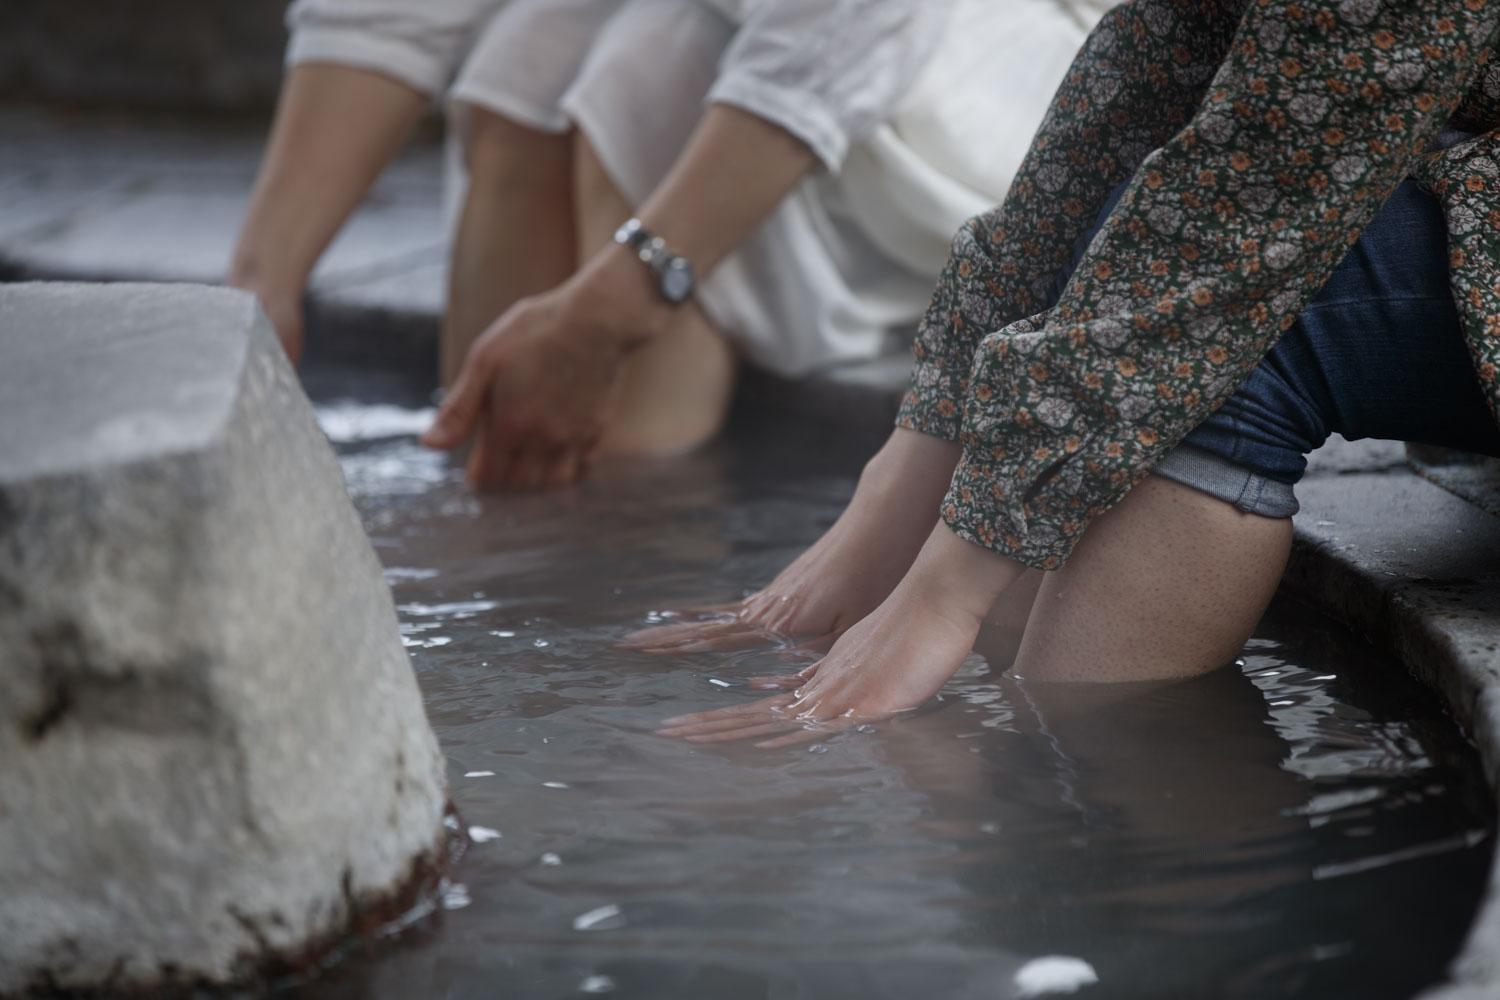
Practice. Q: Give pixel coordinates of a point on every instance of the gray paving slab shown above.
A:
(104, 199)
(158, 233)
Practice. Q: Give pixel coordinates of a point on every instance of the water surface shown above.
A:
(1307, 823)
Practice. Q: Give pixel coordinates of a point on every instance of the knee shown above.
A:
(500, 150)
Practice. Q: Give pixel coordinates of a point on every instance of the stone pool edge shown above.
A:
(1405, 563)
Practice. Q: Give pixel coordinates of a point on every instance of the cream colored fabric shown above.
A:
(920, 111)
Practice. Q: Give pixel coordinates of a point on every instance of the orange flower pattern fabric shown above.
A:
(1260, 138)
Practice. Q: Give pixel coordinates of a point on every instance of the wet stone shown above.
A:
(214, 760)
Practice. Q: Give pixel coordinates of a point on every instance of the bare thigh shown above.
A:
(515, 235)
(1169, 584)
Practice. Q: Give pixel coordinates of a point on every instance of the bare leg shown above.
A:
(1167, 585)
(335, 129)
(677, 388)
(516, 234)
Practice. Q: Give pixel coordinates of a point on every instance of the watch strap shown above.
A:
(673, 272)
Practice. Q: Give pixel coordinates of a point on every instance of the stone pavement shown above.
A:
(1408, 563)
(93, 197)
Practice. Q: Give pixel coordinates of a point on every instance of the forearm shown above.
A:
(730, 177)
(336, 128)
(732, 174)
(1118, 102)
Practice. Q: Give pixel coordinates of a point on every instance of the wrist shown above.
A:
(616, 297)
(960, 576)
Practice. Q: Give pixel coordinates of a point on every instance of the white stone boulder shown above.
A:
(214, 760)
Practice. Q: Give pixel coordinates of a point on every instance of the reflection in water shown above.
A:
(1272, 829)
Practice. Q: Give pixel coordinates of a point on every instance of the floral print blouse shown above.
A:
(1261, 137)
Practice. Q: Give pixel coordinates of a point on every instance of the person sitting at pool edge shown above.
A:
(1283, 222)
(804, 155)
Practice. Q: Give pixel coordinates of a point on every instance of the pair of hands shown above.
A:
(891, 660)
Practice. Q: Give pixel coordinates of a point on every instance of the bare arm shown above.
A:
(731, 176)
(336, 128)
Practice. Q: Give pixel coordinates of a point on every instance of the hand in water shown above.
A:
(534, 393)
(891, 661)
(846, 574)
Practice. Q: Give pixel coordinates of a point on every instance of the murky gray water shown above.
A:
(1308, 824)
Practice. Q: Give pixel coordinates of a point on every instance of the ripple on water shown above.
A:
(1231, 830)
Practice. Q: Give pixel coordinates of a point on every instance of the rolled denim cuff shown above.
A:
(1234, 484)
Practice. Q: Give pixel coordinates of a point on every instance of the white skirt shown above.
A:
(846, 259)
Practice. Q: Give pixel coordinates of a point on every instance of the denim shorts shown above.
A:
(1377, 353)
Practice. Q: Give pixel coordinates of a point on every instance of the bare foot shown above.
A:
(846, 573)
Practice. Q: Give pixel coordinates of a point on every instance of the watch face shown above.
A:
(677, 281)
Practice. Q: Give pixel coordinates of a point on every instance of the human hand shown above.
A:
(845, 574)
(891, 661)
(534, 393)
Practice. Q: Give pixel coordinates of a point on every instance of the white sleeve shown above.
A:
(418, 42)
(828, 71)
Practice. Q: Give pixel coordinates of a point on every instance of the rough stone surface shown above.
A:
(213, 753)
(1417, 569)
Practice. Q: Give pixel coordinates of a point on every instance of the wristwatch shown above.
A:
(674, 275)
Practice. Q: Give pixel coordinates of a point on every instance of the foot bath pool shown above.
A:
(1306, 823)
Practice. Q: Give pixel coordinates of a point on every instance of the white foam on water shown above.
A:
(483, 834)
(1054, 974)
(455, 609)
(479, 774)
(597, 984)
(347, 422)
(396, 574)
(598, 919)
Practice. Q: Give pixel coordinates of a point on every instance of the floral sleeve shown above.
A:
(1320, 109)
(1135, 82)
